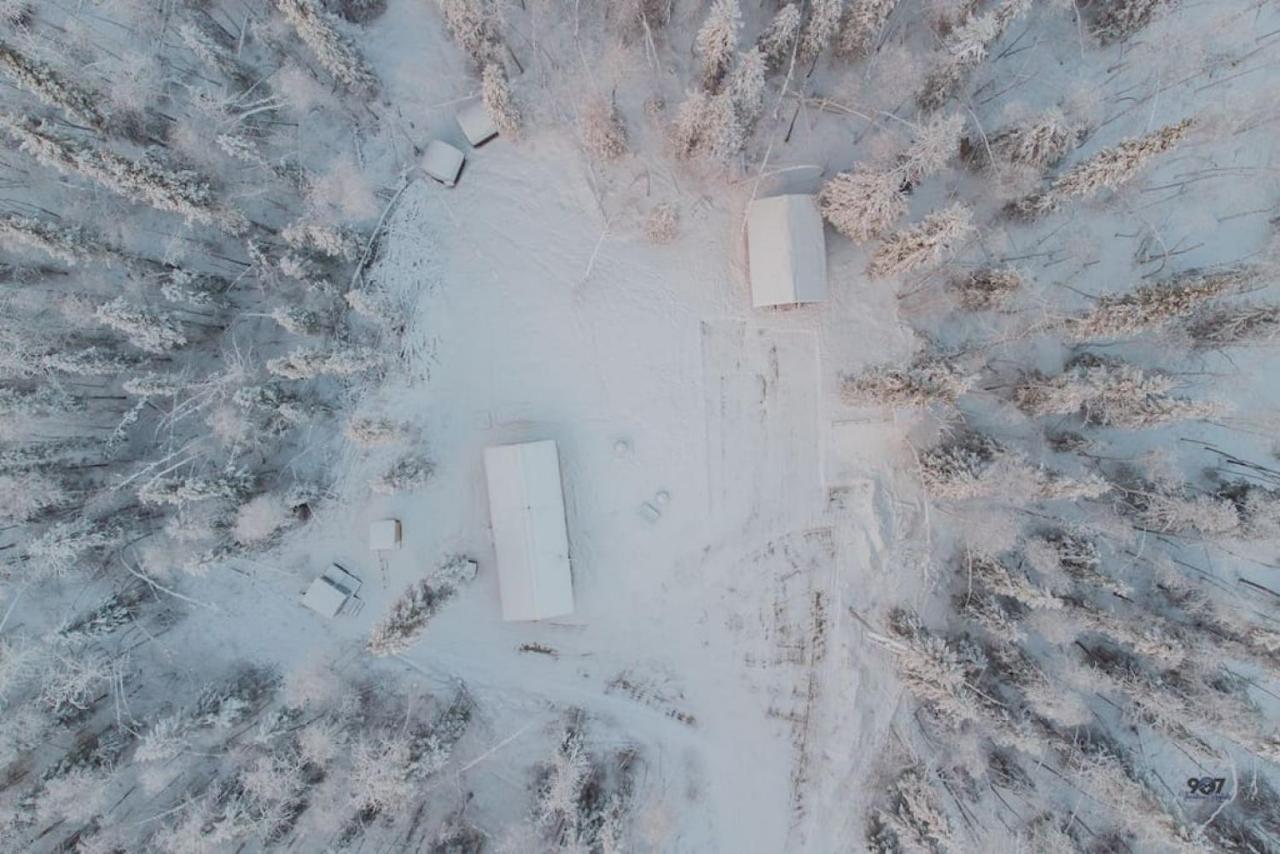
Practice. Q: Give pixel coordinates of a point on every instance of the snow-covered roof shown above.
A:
(442, 161)
(384, 535)
(526, 509)
(328, 593)
(476, 124)
(786, 251)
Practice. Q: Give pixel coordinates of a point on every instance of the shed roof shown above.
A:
(526, 508)
(786, 251)
(384, 535)
(476, 123)
(328, 593)
(443, 162)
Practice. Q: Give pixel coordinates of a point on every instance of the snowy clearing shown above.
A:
(964, 543)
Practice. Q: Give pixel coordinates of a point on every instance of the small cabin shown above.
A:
(530, 539)
(384, 535)
(786, 251)
(332, 592)
(476, 124)
(442, 162)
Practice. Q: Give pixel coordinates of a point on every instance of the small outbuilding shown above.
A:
(384, 535)
(476, 123)
(330, 593)
(786, 251)
(442, 162)
(526, 509)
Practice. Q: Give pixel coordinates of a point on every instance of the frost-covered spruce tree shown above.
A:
(580, 803)
(707, 125)
(50, 455)
(958, 468)
(318, 31)
(372, 432)
(409, 614)
(1041, 483)
(240, 147)
(966, 47)
(152, 331)
(1151, 636)
(1039, 142)
(64, 243)
(498, 101)
(1110, 393)
(183, 286)
(49, 86)
(328, 240)
(1172, 507)
(209, 50)
(932, 241)
(999, 578)
(62, 546)
(717, 42)
(971, 465)
(824, 21)
(779, 39)
(26, 495)
(560, 784)
(378, 781)
(181, 192)
(154, 384)
(87, 362)
(261, 519)
(432, 746)
(273, 410)
(862, 204)
(230, 485)
(1063, 553)
(1116, 20)
(603, 135)
(1233, 325)
(1158, 304)
(939, 674)
(1106, 170)
(933, 144)
(373, 301)
(746, 86)
(44, 401)
(474, 25)
(1236, 634)
(407, 474)
(913, 820)
(927, 380)
(309, 362)
(1112, 780)
(986, 288)
(300, 321)
(862, 26)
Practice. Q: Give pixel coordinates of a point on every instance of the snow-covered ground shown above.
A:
(740, 532)
(716, 636)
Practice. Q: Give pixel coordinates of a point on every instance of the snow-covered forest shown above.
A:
(978, 554)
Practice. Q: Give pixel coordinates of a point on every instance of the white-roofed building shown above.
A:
(526, 509)
(786, 251)
(331, 592)
(384, 535)
(476, 123)
(443, 162)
